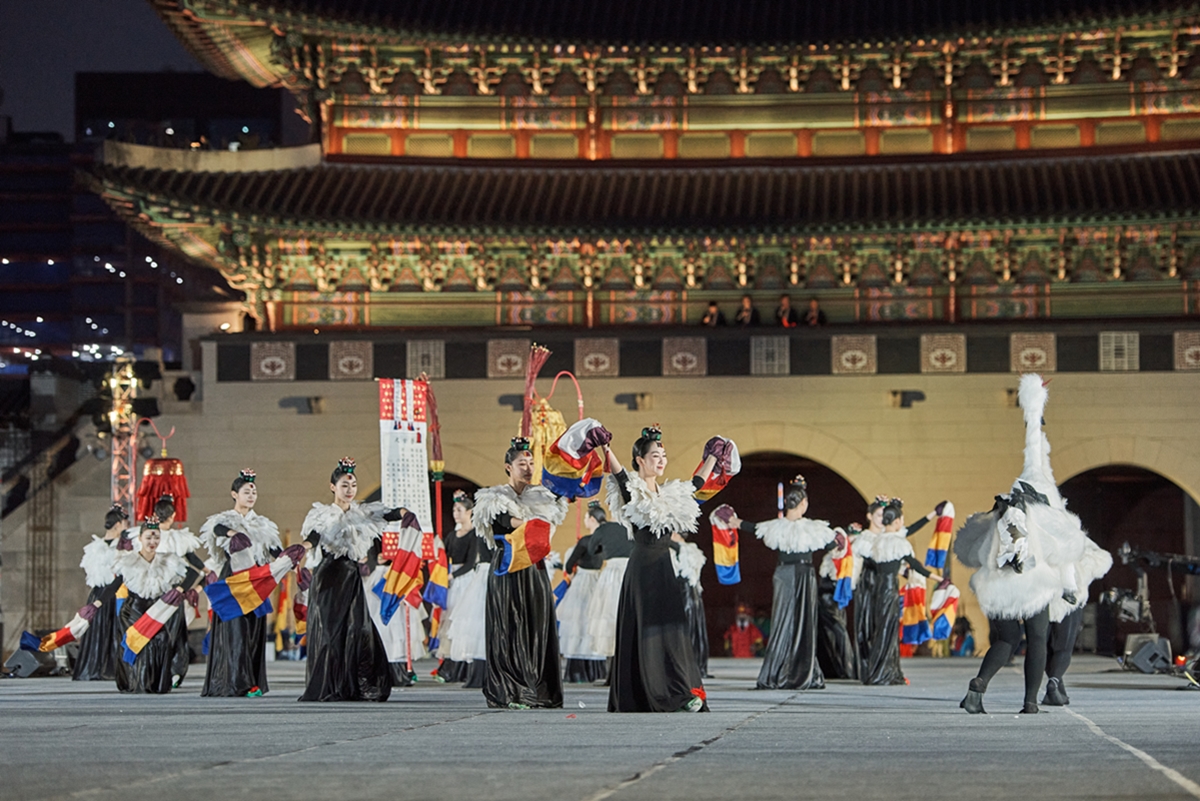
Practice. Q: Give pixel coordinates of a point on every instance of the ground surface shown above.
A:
(1125, 735)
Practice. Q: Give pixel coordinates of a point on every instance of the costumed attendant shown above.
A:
(1066, 620)
(238, 539)
(523, 668)
(157, 580)
(463, 633)
(584, 664)
(838, 577)
(100, 641)
(347, 660)
(655, 667)
(184, 544)
(883, 555)
(790, 662)
(743, 639)
(1022, 549)
(613, 543)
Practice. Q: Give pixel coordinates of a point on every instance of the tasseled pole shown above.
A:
(538, 355)
(437, 466)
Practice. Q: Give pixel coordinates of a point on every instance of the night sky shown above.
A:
(43, 43)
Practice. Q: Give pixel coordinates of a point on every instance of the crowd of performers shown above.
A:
(632, 613)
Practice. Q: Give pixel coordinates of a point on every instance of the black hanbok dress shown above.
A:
(159, 665)
(346, 656)
(655, 667)
(522, 638)
(237, 651)
(790, 661)
(883, 554)
(100, 645)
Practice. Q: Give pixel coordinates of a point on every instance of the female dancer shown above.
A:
(463, 634)
(584, 663)
(100, 645)
(522, 641)
(883, 554)
(864, 587)
(346, 657)
(1023, 549)
(791, 659)
(183, 543)
(655, 668)
(238, 539)
(149, 574)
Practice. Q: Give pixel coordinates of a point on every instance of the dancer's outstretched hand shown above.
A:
(598, 437)
(173, 597)
(296, 553)
(87, 612)
(239, 542)
(304, 579)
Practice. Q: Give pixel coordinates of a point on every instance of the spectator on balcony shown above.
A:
(814, 316)
(747, 315)
(714, 317)
(785, 315)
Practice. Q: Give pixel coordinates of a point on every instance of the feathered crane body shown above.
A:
(1023, 544)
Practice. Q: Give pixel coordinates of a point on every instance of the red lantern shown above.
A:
(162, 477)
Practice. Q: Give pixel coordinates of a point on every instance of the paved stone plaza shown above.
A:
(1125, 735)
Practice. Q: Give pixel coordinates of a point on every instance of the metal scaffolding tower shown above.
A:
(123, 384)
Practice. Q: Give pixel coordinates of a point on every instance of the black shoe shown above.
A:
(1030, 708)
(1056, 695)
(973, 703)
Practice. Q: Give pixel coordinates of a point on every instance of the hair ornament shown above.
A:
(460, 495)
(520, 444)
(346, 465)
(119, 509)
(151, 523)
(896, 503)
(593, 505)
(799, 481)
(882, 500)
(247, 475)
(166, 496)
(653, 432)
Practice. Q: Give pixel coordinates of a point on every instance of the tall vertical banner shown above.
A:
(403, 438)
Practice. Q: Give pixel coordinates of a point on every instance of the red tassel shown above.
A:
(162, 477)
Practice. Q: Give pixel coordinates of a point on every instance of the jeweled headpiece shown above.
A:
(346, 465)
(520, 444)
(653, 432)
(247, 475)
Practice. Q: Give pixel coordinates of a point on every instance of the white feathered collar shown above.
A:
(150, 579)
(672, 510)
(263, 534)
(97, 561)
(887, 546)
(795, 536)
(687, 562)
(534, 501)
(350, 533)
(179, 541)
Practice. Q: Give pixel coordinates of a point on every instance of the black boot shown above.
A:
(1030, 708)
(973, 703)
(1056, 694)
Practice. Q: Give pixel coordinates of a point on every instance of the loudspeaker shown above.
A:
(1152, 657)
(24, 664)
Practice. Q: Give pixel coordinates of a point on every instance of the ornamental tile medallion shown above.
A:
(426, 356)
(597, 358)
(351, 361)
(1033, 353)
(943, 353)
(273, 361)
(853, 355)
(1187, 350)
(684, 356)
(506, 357)
(770, 355)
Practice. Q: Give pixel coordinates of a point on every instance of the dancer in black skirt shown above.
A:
(790, 662)
(655, 668)
(238, 539)
(100, 645)
(522, 641)
(346, 656)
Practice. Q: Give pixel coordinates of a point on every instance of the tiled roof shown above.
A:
(712, 197)
(698, 22)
